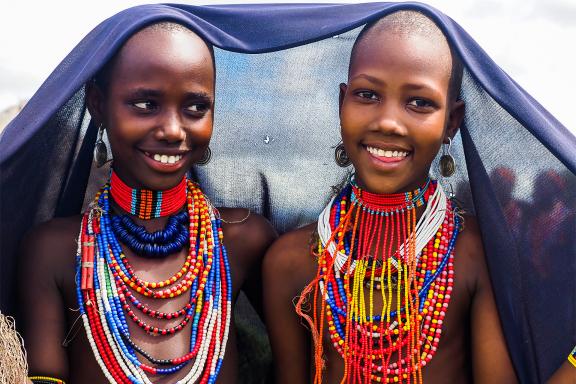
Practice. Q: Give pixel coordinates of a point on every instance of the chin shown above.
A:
(384, 184)
(160, 182)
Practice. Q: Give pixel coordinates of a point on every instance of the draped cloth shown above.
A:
(276, 125)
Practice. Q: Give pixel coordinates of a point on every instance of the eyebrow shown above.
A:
(408, 87)
(145, 92)
(371, 79)
(417, 87)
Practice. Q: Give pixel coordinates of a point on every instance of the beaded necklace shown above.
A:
(145, 203)
(370, 247)
(106, 284)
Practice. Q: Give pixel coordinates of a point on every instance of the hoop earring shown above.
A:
(341, 157)
(205, 159)
(100, 150)
(447, 164)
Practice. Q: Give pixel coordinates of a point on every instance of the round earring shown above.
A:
(205, 157)
(447, 164)
(341, 157)
(100, 149)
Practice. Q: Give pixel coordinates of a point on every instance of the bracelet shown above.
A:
(45, 380)
(572, 357)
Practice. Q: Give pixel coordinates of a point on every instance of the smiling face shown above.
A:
(395, 111)
(157, 106)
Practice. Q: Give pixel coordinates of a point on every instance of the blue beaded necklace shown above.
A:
(173, 238)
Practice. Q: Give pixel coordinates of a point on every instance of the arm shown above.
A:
(491, 361)
(285, 275)
(41, 304)
(249, 236)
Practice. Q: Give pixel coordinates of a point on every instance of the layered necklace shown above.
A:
(372, 249)
(109, 292)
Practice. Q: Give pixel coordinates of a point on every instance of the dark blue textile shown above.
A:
(279, 163)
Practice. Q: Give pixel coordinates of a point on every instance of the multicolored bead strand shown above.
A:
(372, 246)
(145, 203)
(572, 357)
(107, 287)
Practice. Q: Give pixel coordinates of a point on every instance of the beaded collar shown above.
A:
(145, 203)
(390, 202)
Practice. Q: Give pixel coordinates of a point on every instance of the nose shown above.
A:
(171, 127)
(388, 119)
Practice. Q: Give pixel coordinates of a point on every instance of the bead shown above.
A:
(363, 337)
(105, 305)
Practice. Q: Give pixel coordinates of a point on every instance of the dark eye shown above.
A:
(198, 108)
(144, 105)
(367, 95)
(421, 104)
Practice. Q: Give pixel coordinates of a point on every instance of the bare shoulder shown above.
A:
(247, 236)
(249, 233)
(51, 245)
(54, 231)
(290, 258)
(469, 258)
(470, 238)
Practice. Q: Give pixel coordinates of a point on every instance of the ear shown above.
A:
(455, 118)
(343, 88)
(95, 102)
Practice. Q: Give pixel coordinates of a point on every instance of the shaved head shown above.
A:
(102, 78)
(405, 24)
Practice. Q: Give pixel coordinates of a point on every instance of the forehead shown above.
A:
(414, 54)
(157, 51)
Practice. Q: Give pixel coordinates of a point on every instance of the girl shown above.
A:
(396, 283)
(158, 268)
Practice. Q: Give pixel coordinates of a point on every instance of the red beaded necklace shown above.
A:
(371, 246)
(145, 203)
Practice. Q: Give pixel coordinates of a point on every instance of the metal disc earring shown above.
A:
(341, 157)
(447, 164)
(100, 150)
(205, 157)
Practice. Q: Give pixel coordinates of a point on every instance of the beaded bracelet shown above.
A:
(572, 357)
(45, 380)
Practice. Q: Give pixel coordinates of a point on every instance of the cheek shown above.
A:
(200, 133)
(350, 126)
(429, 135)
(120, 139)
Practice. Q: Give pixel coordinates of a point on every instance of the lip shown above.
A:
(387, 163)
(165, 151)
(164, 167)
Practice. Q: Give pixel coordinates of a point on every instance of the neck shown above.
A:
(147, 204)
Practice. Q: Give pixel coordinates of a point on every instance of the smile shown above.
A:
(386, 153)
(164, 159)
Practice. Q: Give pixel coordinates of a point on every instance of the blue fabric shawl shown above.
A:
(278, 70)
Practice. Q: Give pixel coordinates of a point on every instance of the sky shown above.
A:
(532, 40)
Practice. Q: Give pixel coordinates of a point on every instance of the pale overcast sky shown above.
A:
(532, 40)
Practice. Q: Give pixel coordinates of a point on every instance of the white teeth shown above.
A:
(165, 159)
(386, 153)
